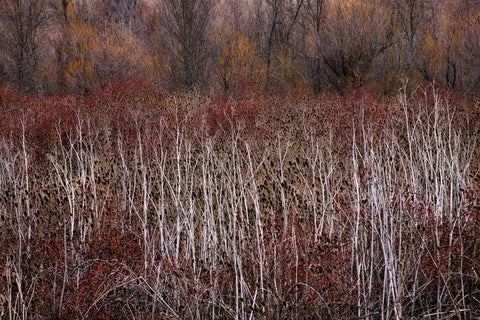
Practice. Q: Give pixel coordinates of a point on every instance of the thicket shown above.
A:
(77, 47)
(133, 203)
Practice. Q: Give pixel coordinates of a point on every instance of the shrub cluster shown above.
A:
(133, 203)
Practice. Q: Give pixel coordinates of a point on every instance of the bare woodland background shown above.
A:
(67, 46)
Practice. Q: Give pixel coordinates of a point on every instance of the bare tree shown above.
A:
(314, 22)
(21, 24)
(462, 68)
(63, 44)
(283, 16)
(344, 41)
(411, 16)
(121, 10)
(186, 25)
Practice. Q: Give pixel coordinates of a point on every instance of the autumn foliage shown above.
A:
(312, 46)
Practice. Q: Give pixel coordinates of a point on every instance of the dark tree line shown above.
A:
(76, 45)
